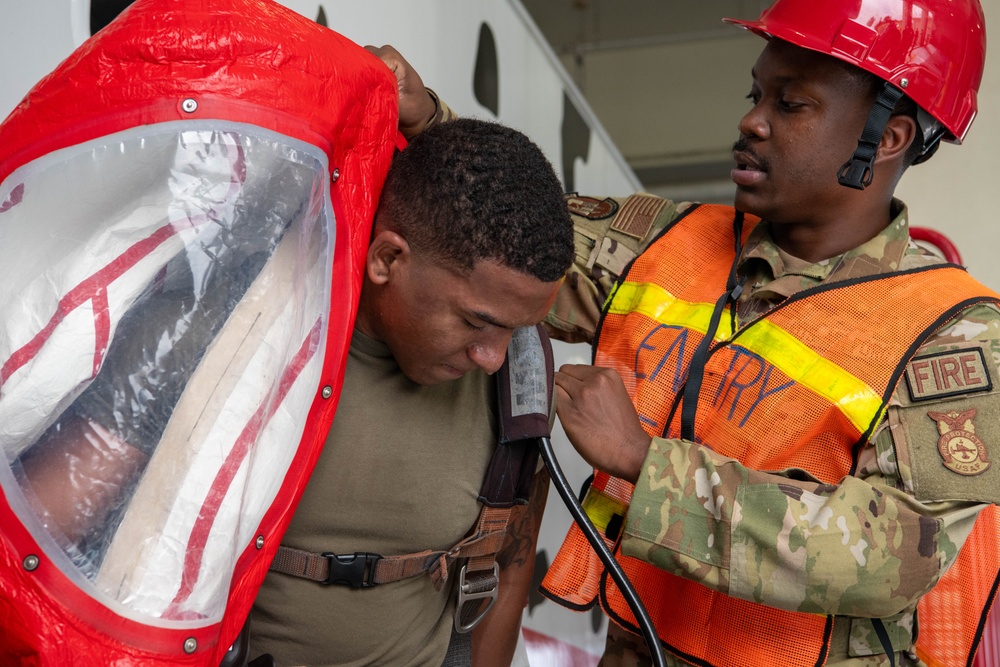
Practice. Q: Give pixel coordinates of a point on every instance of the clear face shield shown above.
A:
(163, 316)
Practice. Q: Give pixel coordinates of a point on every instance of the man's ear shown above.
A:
(899, 131)
(385, 252)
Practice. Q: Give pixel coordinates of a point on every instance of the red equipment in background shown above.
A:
(939, 241)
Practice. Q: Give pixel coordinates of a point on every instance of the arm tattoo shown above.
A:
(522, 529)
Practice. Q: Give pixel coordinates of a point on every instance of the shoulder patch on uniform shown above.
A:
(638, 215)
(590, 207)
(944, 374)
(960, 449)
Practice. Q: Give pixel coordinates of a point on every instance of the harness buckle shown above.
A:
(856, 173)
(484, 588)
(356, 570)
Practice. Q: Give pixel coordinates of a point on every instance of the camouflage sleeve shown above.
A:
(869, 546)
(609, 234)
(443, 113)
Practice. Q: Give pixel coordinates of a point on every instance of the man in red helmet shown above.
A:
(803, 398)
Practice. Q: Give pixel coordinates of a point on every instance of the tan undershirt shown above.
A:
(400, 473)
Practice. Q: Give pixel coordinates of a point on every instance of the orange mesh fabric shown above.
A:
(575, 574)
(717, 624)
(951, 616)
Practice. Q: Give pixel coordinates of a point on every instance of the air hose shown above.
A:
(610, 563)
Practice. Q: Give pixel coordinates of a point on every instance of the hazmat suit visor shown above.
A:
(163, 313)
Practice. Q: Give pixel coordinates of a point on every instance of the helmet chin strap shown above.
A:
(857, 172)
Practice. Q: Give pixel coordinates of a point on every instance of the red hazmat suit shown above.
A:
(185, 206)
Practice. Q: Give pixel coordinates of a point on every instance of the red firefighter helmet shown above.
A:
(186, 204)
(934, 50)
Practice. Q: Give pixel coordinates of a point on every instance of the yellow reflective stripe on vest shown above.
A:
(855, 399)
(660, 305)
(601, 507)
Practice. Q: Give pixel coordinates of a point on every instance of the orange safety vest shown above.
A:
(802, 387)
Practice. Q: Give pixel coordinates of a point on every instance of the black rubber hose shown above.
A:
(596, 541)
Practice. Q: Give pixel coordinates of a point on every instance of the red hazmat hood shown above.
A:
(185, 204)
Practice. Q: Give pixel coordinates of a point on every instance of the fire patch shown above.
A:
(960, 449)
(952, 373)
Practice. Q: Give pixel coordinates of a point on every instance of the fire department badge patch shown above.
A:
(958, 445)
(591, 208)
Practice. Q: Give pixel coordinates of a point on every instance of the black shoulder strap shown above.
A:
(524, 397)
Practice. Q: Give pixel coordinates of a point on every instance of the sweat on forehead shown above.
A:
(856, 79)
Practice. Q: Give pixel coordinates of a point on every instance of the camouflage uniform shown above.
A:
(887, 533)
(442, 112)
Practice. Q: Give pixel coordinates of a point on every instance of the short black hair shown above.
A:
(470, 190)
